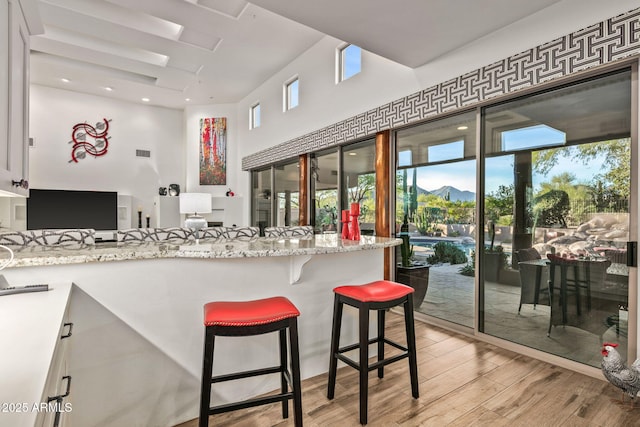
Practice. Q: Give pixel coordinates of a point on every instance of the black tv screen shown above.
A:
(72, 209)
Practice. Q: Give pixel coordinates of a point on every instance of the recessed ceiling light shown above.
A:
(108, 89)
(65, 80)
(145, 99)
(463, 127)
(353, 153)
(187, 99)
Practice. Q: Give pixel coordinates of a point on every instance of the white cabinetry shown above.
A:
(125, 218)
(34, 360)
(14, 92)
(57, 392)
(227, 210)
(167, 211)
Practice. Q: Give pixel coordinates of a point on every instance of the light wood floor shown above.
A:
(463, 382)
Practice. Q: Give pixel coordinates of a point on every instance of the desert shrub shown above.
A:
(467, 270)
(447, 252)
(551, 208)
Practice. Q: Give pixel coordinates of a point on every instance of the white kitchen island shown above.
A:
(136, 351)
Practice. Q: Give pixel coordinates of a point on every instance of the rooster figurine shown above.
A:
(625, 378)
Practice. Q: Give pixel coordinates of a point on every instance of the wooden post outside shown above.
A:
(303, 214)
(383, 227)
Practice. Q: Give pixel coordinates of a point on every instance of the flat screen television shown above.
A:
(59, 209)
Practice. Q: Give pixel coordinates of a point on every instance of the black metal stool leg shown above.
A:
(295, 372)
(283, 368)
(411, 345)
(379, 296)
(238, 319)
(587, 280)
(364, 361)
(335, 342)
(207, 367)
(381, 315)
(576, 282)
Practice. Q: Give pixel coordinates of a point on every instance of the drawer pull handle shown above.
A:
(66, 393)
(60, 398)
(70, 325)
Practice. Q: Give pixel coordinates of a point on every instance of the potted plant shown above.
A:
(494, 257)
(411, 272)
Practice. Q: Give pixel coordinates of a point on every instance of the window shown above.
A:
(324, 191)
(275, 195)
(291, 94)
(262, 200)
(254, 116)
(447, 151)
(359, 182)
(532, 137)
(287, 193)
(435, 190)
(349, 62)
(557, 180)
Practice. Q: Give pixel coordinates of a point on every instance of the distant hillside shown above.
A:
(454, 194)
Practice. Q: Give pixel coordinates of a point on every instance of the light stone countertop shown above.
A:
(30, 324)
(31, 256)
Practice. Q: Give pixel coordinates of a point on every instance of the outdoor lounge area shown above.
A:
(451, 297)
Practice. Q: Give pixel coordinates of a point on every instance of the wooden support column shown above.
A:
(383, 226)
(522, 178)
(303, 214)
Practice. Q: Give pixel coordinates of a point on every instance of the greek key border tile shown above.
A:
(608, 41)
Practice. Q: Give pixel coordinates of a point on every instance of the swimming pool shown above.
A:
(467, 244)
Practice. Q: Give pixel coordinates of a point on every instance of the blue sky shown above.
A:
(462, 175)
(352, 57)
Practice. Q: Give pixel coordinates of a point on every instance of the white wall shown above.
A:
(53, 114)
(192, 116)
(323, 102)
(319, 94)
(556, 21)
(229, 214)
(173, 137)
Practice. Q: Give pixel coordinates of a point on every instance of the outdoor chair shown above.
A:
(534, 278)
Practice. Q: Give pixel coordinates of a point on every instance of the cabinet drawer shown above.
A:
(55, 398)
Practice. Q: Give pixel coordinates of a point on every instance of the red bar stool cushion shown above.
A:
(249, 313)
(378, 291)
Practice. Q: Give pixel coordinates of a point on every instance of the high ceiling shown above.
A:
(218, 51)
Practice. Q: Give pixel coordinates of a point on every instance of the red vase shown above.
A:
(354, 227)
(345, 224)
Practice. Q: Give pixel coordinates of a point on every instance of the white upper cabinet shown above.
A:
(14, 92)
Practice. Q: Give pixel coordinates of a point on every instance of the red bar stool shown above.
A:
(380, 296)
(246, 318)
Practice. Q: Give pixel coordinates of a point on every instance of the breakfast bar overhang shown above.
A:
(137, 309)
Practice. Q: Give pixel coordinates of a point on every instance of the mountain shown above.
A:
(454, 194)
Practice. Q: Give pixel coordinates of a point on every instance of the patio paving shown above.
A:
(450, 297)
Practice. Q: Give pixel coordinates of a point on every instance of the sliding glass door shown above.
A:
(435, 211)
(261, 198)
(359, 182)
(324, 191)
(287, 191)
(556, 220)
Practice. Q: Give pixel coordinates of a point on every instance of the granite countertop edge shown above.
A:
(220, 249)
